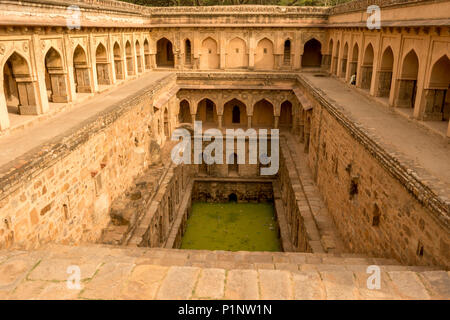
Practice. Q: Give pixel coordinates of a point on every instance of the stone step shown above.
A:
(134, 273)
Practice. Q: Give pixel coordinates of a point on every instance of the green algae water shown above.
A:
(231, 227)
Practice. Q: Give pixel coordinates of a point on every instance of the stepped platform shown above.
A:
(113, 272)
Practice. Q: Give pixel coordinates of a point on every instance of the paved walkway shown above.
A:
(20, 142)
(429, 150)
(108, 272)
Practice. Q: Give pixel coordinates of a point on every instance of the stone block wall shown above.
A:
(378, 205)
(62, 192)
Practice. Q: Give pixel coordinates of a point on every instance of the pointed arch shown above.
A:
(164, 53)
(237, 56)
(206, 111)
(184, 114)
(118, 61)
(287, 52)
(367, 67)
(187, 52)
(264, 56)
(55, 76)
(19, 90)
(312, 54)
(102, 65)
(231, 117)
(344, 60)
(263, 114)
(407, 82)
(209, 58)
(437, 100)
(385, 73)
(286, 114)
(81, 71)
(129, 58)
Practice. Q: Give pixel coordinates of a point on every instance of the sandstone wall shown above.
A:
(379, 206)
(62, 192)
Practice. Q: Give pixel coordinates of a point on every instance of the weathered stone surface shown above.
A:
(242, 285)
(179, 283)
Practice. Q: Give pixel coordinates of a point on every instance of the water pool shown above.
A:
(232, 227)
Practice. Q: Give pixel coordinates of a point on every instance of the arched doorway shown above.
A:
(263, 114)
(184, 115)
(147, 54)
(235, 113)
(312, 56)
(407, 82)
(187, 52)
(138, 56)
(353, 65)
(164, 53)
(330, 54)
(237, 56)
(206, 111)
(129, 58)
(101, 61)
(287, 53)
(385, 73)
(367, 67)
(81, 71)
(264, 58)
(209, 58)
(286, 115)
(437, 100)
(232, 197)
(118, 62)
(344, 61)
(55, 77)
(336, 57)
(17, 85)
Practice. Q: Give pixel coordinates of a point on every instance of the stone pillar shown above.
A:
(249, 121)
(251, 52)
(34, 87)
(222, 51)
(193, 118)
(92, 70)
(71, 87)
(277, 119)
(113, 77)
(4, 118)
(219, 121)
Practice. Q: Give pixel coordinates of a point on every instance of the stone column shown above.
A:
(193, 118)
(93, 70)
(112, 69)
(71, 87)
(251, 52)
(222, 51)
(35, 83)
(277, 119)
(249, 122)
(219, 120)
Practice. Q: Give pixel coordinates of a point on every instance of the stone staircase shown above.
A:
(113, 272)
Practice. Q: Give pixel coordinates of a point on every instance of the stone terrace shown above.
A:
(144, 273)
